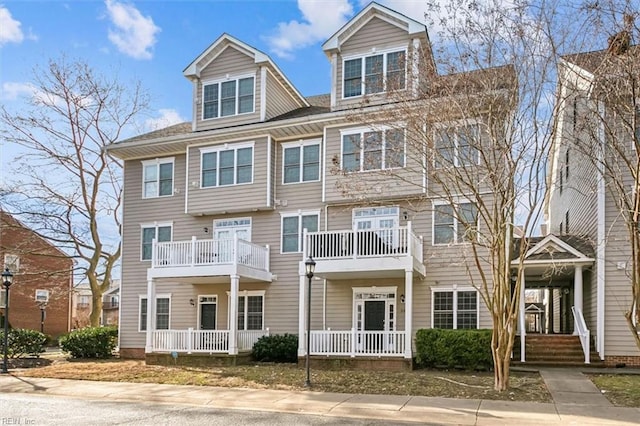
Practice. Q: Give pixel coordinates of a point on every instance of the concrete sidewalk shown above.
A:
(576, 401)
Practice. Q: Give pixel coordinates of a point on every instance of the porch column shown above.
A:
(577, 291)
(151, 314)
(523, 332)
(408, 312)
(301, 316)
(233, 315)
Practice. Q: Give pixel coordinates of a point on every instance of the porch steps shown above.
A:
(563, 350)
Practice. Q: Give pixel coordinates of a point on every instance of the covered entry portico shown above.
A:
(552, 300)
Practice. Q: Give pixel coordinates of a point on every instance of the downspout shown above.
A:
(269, 169)
(600, 249)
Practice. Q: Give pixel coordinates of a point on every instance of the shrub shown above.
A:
(21, 342)
(468, 349)
(90, 342)
(276, 348)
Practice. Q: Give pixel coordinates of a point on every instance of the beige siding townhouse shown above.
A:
(221, 213)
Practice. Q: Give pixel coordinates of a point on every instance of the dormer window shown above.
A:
(228, 97)
(374, 73)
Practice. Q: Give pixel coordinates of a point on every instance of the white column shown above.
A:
(151, 314)
(233, 315)
(408, 312)
(523, 332)
(302, 351)
(577, 291)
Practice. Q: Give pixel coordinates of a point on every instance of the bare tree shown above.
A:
(478, 132)
(65, 186)
(608, 130)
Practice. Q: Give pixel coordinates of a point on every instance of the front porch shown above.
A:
(192, 341)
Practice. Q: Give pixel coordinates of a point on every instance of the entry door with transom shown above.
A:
(374, 318)
(383, 223)
(224, 231)
(208, 308)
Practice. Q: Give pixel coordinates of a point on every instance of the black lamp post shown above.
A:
(43, 306)
(310, 267)
(7, 279)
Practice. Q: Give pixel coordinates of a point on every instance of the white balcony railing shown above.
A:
(364, 243)
(209, 252)
(199, 341)
(583, 333)
(357, 343)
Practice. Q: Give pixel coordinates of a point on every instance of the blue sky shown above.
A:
(153, 41)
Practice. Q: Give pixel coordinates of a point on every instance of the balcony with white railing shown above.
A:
(390, 251)
(223, 257)
(203, 341)
(355, 343)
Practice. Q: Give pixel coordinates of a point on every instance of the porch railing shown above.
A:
(357, 343)
(363, 243)
(202, 341)
(583, 333)
(209, 252)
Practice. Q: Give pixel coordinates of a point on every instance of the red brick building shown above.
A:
(42, 277)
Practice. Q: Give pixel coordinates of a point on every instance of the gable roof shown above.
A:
(556, 248)
(225, 41)
(365, 15)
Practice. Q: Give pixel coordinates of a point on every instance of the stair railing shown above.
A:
(583, 332)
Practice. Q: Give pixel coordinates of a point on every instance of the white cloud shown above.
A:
(134, 34)
(13, 90)
(320, 19)
(168, 117)
(10, 31)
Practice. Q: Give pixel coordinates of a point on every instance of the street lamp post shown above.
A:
(7, 279)
(310, 267)
(43, 306)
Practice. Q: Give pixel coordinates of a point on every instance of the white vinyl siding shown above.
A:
(301, 162)
(292, 229)
(455, 309)
(374, 74)
(157, 177)
(227, 98)
(223, 167)
(364, 150)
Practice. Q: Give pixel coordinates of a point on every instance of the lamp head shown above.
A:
(310, 267)
(7, 278)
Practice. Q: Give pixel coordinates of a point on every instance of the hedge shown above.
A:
(90, 342)
(467, 349)
(22, 342)
(276, 348)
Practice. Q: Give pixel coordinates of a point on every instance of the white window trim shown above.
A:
(237, 78)
(200, 303)
(298, 214)
(361, 131)
(44, 291)
(245, 293)
(158, 296)
(455, 125)
(302, 144)
(228, 147)
(12, 261)
(456, 222)
(455, 289)
(155, 225)
(157, 162)
(363, 56)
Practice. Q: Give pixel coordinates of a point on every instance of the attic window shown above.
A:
(374, 73)
(227, 98)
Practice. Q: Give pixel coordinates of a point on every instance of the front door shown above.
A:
(207, 313)
(374, 318)
(374, 321)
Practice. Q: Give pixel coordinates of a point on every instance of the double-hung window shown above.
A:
(157, 177)
(454, 224)
(12, 261)
(301, 162)
(373, 150)
(457, 146)
(222, 166)
(163, 313)
(293, 225)
(374, 73)
(160, 231)
(455, 309)
(229, 97)
(251, 311)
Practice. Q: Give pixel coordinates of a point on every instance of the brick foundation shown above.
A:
(622, 360)
(132, 353)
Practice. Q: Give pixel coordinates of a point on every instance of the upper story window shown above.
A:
(157, 177)
(221, 166)
(159, 231)
(42, 296)
(12, 261)
(301, 162)
(457, 146)
(373, 150)
(454, 224)
(293, 225)
(229, 97)
(375, 73)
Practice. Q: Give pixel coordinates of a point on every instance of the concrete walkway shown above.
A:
(576, 401)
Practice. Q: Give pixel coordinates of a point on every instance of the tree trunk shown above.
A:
(96, 310)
